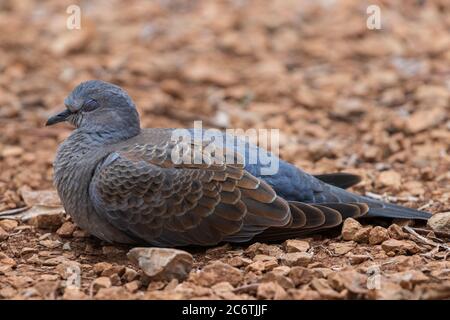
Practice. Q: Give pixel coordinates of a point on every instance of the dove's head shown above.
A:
(98, 106)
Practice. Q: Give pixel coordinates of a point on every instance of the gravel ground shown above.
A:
(345, 98)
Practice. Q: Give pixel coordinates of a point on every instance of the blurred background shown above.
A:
(374, 102)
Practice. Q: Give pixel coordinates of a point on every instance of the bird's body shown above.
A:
(122, 183)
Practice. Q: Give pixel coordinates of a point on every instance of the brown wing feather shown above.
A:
(141, 192)
(318, 217)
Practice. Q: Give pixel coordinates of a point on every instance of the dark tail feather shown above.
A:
(388, 210)
(376, 208)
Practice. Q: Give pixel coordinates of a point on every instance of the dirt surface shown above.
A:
(346, 98)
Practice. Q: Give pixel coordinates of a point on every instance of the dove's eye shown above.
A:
(90, 105)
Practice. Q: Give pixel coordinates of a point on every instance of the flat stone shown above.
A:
(216, 272)
(341, 248)
(50, 244)
(296, 259)
(296, 246)
(162, 263)
(50, 219)
(400, 247)
(440, 222)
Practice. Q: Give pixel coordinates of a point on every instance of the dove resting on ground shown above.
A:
(122, 184)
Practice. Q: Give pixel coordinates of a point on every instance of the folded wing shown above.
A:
(148, 195)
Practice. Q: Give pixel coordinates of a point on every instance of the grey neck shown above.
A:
(77, 159)
(75, 164)
(105, 137)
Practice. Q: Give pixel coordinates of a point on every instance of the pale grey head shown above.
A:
(97, 106)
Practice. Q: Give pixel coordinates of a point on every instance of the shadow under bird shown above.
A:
(120, 183)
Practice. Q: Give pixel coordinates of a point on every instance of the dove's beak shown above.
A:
(60, 117)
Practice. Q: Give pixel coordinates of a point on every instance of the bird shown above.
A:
(124, 184)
